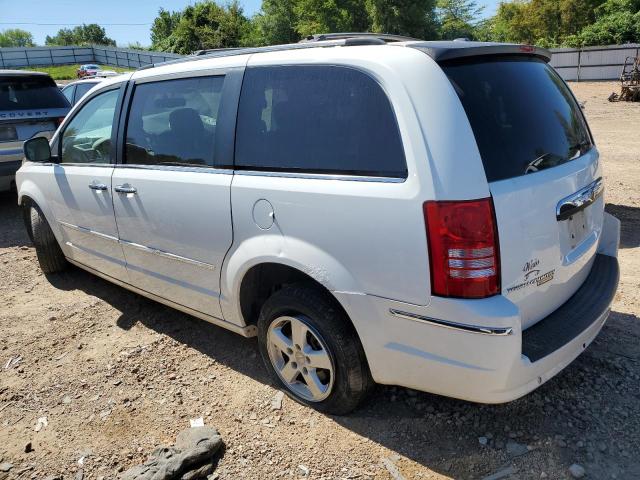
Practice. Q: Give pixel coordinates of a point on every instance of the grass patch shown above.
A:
(68, 72)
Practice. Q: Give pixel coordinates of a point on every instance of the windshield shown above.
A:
(29, 93)
(523, 116)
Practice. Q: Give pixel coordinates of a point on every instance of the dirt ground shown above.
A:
(115, 375)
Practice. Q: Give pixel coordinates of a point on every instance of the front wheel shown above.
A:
(311, 349)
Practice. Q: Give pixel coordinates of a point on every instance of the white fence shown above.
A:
(592, 63)
(46, 56)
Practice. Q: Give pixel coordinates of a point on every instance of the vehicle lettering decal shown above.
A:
(547, 277)
(537, 281)
(530, 265)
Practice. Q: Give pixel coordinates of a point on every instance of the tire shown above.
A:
(26, 217)
(329, 333)
(49, 254)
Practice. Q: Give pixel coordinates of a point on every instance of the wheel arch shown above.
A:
(29, 193)
(282, 260)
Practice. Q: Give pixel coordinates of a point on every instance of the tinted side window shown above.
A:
(173, 122)
(87, 137)
(322, 119)
(68, 92)
(82, 88)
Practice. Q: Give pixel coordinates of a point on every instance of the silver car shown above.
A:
(31, 105)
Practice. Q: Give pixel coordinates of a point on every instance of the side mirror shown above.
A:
(37, 150)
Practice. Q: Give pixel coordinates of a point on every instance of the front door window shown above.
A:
(87, 138)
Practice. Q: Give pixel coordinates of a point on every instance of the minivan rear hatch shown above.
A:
(542, 169)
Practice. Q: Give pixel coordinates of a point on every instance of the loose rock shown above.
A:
(276, 401)
(577, 471)
(191, 458)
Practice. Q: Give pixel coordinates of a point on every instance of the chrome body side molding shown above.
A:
(498, 331)
(88, 231)
(154, 251)
(167, 255)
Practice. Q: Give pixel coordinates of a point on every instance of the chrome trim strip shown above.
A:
(319, 176)
(88, 231)
(579, 200)
(497, 331)
(167, 255)
(75, 164)
(175, 168)
(154, 251)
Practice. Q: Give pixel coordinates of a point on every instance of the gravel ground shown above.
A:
(111, 375)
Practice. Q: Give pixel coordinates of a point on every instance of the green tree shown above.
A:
(275, 24)
(162, 28)
(415, 18)
(548, 23)
(458, 18)
(201, 26)
(323, 16)
(617, 22)
(136, 46)
(15, 37)
(92, 34)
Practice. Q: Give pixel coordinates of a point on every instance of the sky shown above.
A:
(126, 21)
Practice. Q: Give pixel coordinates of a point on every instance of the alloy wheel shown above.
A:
(300, 357)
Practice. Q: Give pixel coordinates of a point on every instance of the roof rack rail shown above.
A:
(207, 51)
(316, 41)
(229, 52)
(383, 37)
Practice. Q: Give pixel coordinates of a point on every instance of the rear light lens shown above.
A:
(59, 121)
(463, 248)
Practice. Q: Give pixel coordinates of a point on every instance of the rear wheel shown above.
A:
(311, 349)
(49, 254)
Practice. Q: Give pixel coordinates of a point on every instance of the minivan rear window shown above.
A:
(524, 118)
(23, 92)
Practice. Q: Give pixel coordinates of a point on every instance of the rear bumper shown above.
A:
(482, 366)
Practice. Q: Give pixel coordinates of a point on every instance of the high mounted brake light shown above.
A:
(463, 248)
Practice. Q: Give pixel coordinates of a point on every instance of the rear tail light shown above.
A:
(463, 248)
(59, 121)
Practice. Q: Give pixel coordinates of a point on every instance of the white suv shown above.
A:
(424, 214)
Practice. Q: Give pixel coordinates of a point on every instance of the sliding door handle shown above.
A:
(98, 186)
(125, 189)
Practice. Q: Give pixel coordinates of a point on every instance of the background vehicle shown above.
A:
(457, 244)
(87, 70)
(30, 105)
(93, 70)
(74, 91)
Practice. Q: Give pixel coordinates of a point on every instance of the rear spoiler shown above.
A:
(444, 51)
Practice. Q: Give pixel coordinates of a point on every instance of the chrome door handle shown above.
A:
(98, 186)
(125, 189)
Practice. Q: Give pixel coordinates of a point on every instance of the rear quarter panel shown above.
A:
(357, 236)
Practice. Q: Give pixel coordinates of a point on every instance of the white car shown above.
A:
(423, 214)
(74, 91)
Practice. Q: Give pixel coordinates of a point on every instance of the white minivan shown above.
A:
(374, 210)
